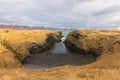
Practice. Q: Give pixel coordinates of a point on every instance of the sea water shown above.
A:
(59, 47)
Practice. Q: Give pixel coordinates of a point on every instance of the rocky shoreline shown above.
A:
(49, 43)
(18, 44)
(98, 43)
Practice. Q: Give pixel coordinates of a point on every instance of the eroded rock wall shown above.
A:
(103, 44)
(94, 42)
(18, 44)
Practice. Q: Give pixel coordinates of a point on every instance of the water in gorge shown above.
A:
(59, 55)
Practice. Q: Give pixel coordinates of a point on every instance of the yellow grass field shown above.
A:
(61, 73)
(15, 49)
(14, 44)
(106, 42)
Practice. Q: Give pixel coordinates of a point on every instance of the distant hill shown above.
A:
(19, 27)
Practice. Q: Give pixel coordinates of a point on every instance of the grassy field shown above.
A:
(14, 45)
(61, 73)
(103, 43)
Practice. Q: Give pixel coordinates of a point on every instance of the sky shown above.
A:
(61, 13)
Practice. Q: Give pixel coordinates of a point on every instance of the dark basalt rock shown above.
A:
(50, 40)
(37, 48)
(73, 48)
(58, 36)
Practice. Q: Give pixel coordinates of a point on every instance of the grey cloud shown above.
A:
(108, 10)
(71, 13)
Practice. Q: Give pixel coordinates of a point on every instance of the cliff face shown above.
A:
(58, 35)
(49, 41)
(91, 41)
(7, 58)
(18, 44)
(100, 43)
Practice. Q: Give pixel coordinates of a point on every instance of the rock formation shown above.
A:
(22, 43)
(93, 42)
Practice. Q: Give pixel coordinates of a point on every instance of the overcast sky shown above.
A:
(64, 13)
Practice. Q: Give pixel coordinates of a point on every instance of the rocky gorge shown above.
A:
(104, 45)
(99, 43)
(19, 44)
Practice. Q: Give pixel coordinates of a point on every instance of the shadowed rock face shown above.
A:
(93, 42)
(50, 41)
(16, 45)
(38, 47)
(58, 35)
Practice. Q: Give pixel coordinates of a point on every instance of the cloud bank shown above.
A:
(61, 13)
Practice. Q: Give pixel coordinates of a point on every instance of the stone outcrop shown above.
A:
(58, 35)
(42, 47)
(22, 43)
(93, 42)
(49, 42)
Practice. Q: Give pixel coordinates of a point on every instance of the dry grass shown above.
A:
(7, 59)
(105, 43)
(110, 58)
(105, 68)
(16, 43)
(62, 73)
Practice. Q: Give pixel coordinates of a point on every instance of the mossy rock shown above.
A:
(21, 43)
(93, 42)
(58, 35)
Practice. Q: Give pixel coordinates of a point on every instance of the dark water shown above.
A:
(59, 55)
(44, 61)
(59, 48)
